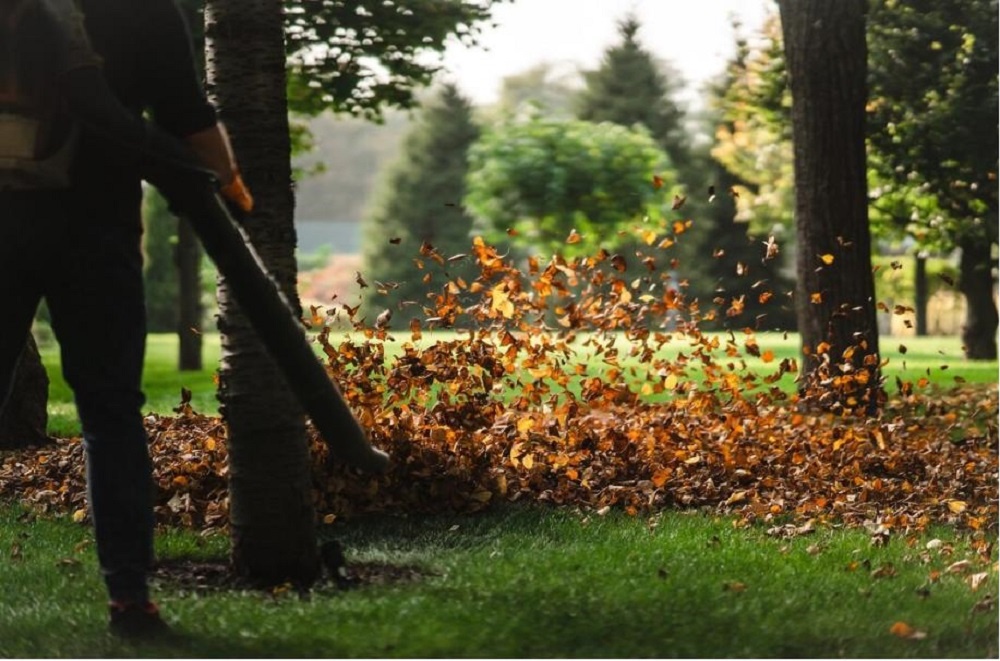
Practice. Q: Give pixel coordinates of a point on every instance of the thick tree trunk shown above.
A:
(979, 335)
(189, 298)
(826, 57)
(24, 419)
(272, 516)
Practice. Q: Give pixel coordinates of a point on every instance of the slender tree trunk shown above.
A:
(979, 334)
(189, 329)
(920, 295)
(826, 55)
(272, 516)
(24, 419)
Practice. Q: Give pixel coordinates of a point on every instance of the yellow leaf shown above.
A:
(528, 461)
(210, 444)
(79, 515)
(956, 506)
(525, 424)
(670, 382)
(827, 259)
(329, 518)
(501, 301)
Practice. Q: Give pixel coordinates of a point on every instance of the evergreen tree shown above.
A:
(631, 87)
(419, 209)
(717, 258)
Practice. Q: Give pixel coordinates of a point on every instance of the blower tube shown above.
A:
(193, 192)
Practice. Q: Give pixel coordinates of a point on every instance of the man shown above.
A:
(78, 246)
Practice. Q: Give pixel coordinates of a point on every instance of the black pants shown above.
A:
(85, 259)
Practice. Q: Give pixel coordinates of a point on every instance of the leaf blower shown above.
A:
(193, 192)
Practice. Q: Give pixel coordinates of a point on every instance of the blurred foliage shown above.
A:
(418, 208)
(754, 134)
(631, 87)
(563, 185)
(932, 121)
(159, 245)
(542, 89)
(361, 57)
(336, 179)
(933, 113)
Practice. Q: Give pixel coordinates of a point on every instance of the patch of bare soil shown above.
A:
(207, 576)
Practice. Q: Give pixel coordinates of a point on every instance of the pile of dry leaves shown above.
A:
(573, 386)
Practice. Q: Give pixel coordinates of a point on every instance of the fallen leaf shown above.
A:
(904, 630)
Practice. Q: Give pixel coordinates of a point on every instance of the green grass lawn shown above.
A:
(531, 582)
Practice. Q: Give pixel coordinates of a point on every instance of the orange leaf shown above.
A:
(904, 630)
(660, 477)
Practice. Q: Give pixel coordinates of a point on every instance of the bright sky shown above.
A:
(695, 36)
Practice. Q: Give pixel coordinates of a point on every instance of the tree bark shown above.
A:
(24, 419)
(272, 516)
(189, 329)
(825, 52)
(979, 334)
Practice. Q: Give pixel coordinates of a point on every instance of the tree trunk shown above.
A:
(24, 419)
(272, 517)
(189, 297)
(826, 55)
(979, 334)
(920, 294)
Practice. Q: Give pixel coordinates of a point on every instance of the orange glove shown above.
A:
(238, 194)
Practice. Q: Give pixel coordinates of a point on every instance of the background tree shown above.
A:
(631, 87)
(160, 278)
(933, 119)
(825, 54)
(420, 203)
(23, 420)
(542, 179)
(546, 88)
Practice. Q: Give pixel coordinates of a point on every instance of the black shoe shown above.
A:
(136, 621)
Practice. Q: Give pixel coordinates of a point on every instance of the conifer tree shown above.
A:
(418, 211)
(631, 87)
